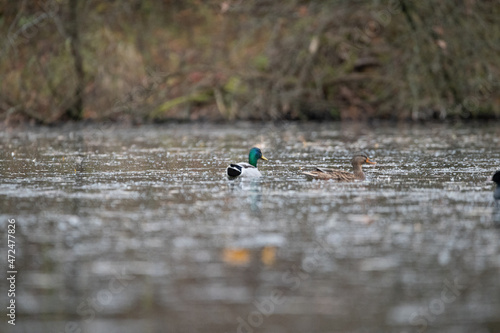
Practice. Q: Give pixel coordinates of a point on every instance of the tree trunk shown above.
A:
(75, 110)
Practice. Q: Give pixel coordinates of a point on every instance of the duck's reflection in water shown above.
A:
(495, 215)
(250, 189)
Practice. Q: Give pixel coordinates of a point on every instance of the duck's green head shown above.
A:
(496, 177)
(255, 155)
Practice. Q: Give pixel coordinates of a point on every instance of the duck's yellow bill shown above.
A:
(263, 158)
(370, 162)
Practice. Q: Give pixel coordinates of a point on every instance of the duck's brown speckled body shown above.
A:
(339, 175)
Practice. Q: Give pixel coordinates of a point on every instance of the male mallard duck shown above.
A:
(496, 179)
(247, 169)
(357, 161)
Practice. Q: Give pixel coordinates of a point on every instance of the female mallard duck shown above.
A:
(496, 179)
(357, 161)
(247, 169)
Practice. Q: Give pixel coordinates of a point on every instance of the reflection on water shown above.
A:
(251, 189)
(496, 214)
(138, 230)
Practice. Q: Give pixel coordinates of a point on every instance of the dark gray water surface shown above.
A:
(138, 230)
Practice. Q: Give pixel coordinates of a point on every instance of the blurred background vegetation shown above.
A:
(141, 61)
